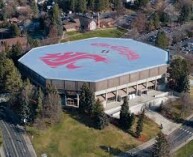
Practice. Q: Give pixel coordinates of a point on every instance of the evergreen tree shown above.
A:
(161, 147)
(81, 6)
(11, 77)
(26, 101)
(39, 102)
(126, 118)
(100, 118)
(185, 13)
(72, 5)
(141, 3)
(56, 20)
(118, 5)
(14, 30)
(91, 4)
(101, 5)
(156, 20)
(164, 18)
(139, 127)
(179, 75)
(15, 52)
(86, 100)
(162, 40)
(2, 70)
(34, 7)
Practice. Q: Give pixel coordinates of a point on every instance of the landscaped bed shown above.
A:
(111, 32)
(72, 138)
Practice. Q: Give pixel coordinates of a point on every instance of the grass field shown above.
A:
(185, 151)
(72, 138)
(111, 32)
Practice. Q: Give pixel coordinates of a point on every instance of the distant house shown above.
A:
(13, 41)
(87, 23)
(72, 26)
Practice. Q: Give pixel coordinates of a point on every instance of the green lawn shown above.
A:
(185, 151)
(110, 32)
(71, 138)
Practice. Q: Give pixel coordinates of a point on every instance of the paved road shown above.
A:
(14, 143)
(176, 138)
(182, 134)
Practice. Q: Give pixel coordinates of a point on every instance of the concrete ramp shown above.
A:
(168, 126)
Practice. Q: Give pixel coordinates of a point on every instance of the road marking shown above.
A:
(189, 132)
(10, 138)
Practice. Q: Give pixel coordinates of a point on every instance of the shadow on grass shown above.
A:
(82, 118)
(115, 151)
(115, 122)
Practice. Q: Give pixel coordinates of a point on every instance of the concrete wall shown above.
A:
(64, 85)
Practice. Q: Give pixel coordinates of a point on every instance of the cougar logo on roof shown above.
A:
(70, 59)
(122, 50)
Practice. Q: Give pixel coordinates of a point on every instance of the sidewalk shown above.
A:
(168, 126)
(29, 145)
(2, 153)
(138, 149)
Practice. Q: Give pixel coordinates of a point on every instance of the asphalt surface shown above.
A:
(13, 141)
(175, 139)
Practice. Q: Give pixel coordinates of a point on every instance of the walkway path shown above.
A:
(168, 126)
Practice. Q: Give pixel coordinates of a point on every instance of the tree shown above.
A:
(100, 118)
(141, 3)
(139, 23)
(101, 4)
(2, 70)
(26, 100)
(161, 147)
(185, 13)
(139, 127)
(118, 4)
(156, 20)
(39, 102)
(72, 5)
(164, 18)
(81, 6)
(126, 118)
(162, 40)
(14, 30)
(56, 20)
(86, 100)
(91, 4)
(179, 75)
(34, 8)
(11, 77)
(15, 52)
(52, 108)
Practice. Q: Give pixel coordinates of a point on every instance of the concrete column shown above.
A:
(146, 84)
(65, 99)
(137, 90)
(116, 95)
(127, 89)
(155, 84)
(77, 96)
(105, 99)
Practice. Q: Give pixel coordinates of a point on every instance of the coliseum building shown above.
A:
(112, 67)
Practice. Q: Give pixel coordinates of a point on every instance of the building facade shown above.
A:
(112, 68)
